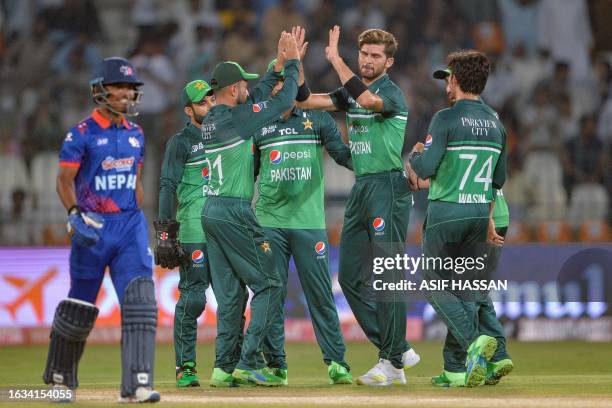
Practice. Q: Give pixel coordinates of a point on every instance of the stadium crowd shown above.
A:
(549, 84)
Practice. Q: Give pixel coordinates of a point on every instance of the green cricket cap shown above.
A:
(442, 73)
(271, 68)
(228, 73)
(195, 92)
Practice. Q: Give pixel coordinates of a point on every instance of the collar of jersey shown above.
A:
(105, 123)
(468, 101)
(379, 80)
(191, 128)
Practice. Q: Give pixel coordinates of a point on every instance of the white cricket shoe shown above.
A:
(410, 358)
(142, 394)
(383, 374)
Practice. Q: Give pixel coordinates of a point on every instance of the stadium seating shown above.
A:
(589, 202)
(14, 176)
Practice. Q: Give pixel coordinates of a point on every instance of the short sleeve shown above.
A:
(340, 99)
(73, 148)
(394, 102)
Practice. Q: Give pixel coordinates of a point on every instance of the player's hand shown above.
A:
(84, 228)
(331, 51)
(280, 54)
(290, 46)
(168, 252)
(412, 178)
(493, 237)
(418, 147)
(299, 33)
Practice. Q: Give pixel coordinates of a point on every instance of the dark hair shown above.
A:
(471, 68)
(377, 36)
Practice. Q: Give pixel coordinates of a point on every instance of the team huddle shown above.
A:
(276, 134)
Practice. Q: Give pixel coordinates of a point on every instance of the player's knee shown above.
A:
(139, 302)
(196, 304)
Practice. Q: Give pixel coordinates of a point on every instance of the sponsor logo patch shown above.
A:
(197, 256)
(123, 164)
(378, 224)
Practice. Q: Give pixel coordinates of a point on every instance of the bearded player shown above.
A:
(180, 237)
(377, 213)
(99, 183)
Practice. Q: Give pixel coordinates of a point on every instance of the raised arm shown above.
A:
(356, 88)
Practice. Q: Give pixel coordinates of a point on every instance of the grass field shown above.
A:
(564, 374)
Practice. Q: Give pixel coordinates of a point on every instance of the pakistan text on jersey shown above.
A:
(115, 182)
(359, 147)
(291, 174)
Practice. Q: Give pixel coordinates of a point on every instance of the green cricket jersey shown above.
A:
(228, 138)
(465, 154)
(375, 138)
(289, 157)
(501, 215)
(184, 172)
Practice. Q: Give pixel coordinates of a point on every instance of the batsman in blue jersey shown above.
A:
(99, 183)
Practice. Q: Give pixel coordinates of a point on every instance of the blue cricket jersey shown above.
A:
(108, 158)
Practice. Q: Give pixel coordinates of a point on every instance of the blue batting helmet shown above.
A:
(115, 70)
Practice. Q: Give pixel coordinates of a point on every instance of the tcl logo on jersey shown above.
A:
(205, 173)
(197, 257)
(428, 140)
(276, 156)
(287, 131)
(379, 225)
(320, 248)
(123, 164)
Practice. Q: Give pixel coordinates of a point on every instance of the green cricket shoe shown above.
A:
(220, 378)
(338, 374)
(497, 370)
(258, 377)
(479, 354)
(448, 379)
(281, 373)
(186, 376)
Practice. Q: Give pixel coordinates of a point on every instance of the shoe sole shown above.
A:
(130, 400)
(385, 384)
(222, 384)
(343, 381)
(258, 383)
(477, 375)
(501, 372)
(191, 384)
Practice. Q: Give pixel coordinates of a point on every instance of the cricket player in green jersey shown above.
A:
(184, 174)
(500, 364)
(289, 158)
(377, 214)
(239, 251)
(464, 157)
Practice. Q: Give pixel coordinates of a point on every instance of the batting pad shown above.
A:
(138, 326)
(72, 323)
